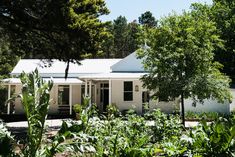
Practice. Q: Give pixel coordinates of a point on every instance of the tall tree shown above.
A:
(108, 46)
(133, 36)
(124, 38)
(8, 59)
(120, 36)
(61, 29)
(180, 60)
(224, 15)
(147, 19)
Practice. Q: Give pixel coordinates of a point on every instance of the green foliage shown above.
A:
(77, 108)
(119, 136)
(165, 126)
(147, 19)
(215, 139)
(6, 141)
(35, 98)
(8, 59)
(180, 59)
(123, 40)
(154, 134)
(203, 115)
(112, 111)
(222, 12)
(124, 37)
(3, 99)
(58, 29)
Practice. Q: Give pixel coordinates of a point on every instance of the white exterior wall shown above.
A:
(76, 94)
(136, 104)
(167, 107)
(53, 108)
(232, 105)
(76, 97)
(209, 105)
(118, 93)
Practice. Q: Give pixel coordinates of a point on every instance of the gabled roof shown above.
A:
(129, 64)
(57, 69)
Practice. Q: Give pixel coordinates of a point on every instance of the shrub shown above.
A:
(215, 139)
(6, 141)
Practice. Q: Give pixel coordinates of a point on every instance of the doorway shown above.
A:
(63, 99)
(104, 96)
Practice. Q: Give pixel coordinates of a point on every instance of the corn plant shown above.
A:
(35, 98)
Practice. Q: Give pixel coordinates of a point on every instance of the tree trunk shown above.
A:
(182, 109)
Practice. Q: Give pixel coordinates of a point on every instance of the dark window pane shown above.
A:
(63, 95)
(128, 86)
(106, 85)
(128, 96)
(66, 96)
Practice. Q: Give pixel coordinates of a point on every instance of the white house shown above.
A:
(106, 81)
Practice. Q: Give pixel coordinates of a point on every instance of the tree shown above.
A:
(120, 36)
(221, 12)
(148, 19)
(180, 60)
(8, 59)
(224, 16)
(107, 49)
(123, 40)
(133, 36)
(56, 29)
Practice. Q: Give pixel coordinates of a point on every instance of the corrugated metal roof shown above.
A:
(130, 63)
(55, 80)
(107, 76)
(57, 69)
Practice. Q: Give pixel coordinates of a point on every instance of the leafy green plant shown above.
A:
(215, 139)
(164, 126)
(203, 115)
(6, 141)
(113, 111)
(35, 98)
(78, 110)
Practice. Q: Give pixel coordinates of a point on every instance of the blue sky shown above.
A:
(132, 9)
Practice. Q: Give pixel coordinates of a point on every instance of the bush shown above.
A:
(203, 115)
(215, 139)
(6, 141)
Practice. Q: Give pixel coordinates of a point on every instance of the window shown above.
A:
(128, 91)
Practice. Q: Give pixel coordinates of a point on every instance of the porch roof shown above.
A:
(108, 76)
(55, 81)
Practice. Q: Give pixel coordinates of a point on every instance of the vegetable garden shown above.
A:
(114, 134)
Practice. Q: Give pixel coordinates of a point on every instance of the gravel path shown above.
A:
(50, 123)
